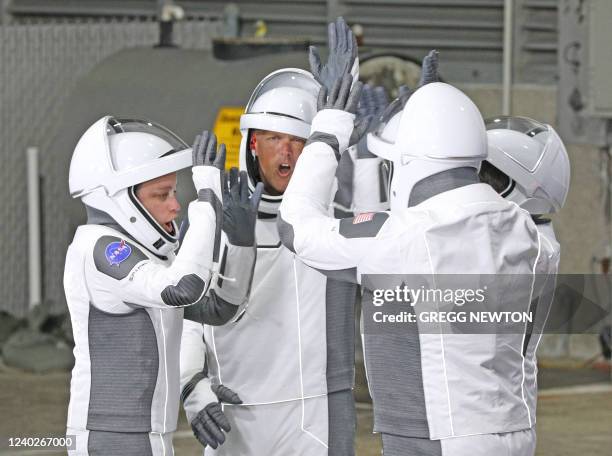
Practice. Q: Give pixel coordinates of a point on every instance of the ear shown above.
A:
(253, 144)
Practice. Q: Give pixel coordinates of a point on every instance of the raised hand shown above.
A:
(341, 96)
(342, 54)
(205, 152)
(240, 210)
(429, 69)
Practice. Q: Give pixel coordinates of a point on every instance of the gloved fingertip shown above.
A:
(220, 158)
(256, 197)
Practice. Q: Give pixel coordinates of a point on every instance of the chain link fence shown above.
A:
(39, 66)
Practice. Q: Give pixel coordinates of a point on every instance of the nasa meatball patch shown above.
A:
(114, 257)
(117, 252)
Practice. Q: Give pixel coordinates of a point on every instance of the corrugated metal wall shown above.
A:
(51, 44)
(469, 33)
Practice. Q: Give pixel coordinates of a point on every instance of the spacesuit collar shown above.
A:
(98, 217)
(540, 219)
(442, 182)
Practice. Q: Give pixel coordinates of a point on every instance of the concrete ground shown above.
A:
(574, 414)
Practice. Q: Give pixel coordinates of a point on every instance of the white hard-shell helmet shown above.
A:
(111, 158)
(533, 158)
(439, 128)
(285, 101)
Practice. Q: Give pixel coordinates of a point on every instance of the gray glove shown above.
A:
(240, 210)
(341, 96)
(342, 54)
(208, 173)
(344, 98)
(204, 151)
(372, 103)
(209, 424)
(429, 69)
(334, 124)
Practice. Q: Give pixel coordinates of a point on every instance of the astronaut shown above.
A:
(289, 353)
(126, 288)
(432, 392)
(528, 165)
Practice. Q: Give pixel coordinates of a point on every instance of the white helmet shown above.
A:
(439, 128)
(533, 160)
(285, 101)
(113, 156)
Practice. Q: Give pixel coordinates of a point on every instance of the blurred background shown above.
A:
(191, 65)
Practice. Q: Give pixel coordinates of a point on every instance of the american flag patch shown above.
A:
(365, 217)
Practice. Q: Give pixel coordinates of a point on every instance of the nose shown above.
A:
(175, 206)
(285, 145)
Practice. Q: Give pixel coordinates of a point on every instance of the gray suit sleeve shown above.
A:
(229, 294)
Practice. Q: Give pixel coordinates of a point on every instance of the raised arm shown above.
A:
(229, 293)
(139, 280)
(323, 242)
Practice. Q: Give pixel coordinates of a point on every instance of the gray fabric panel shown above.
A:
(442, 182)
(185, 292)
(216, 311)
(342, 275)
(239, 264)
(98, 217)
(116, 271)
(340, 214)
(342, 421)
(533, 309)
(222, 266)
(384, 177)
(183, 231)
(211, 310)
(350, 230)
(208, 196)
(340, 299)
(124, 365)
(393, 363)
(395, 445)
(326, 138)
(191, 384)
(102, 443)
(285, 232)
(344, 174)
(193, 312)
(362, 149)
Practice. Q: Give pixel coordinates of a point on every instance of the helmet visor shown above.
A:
(117, 125)
(522, 125)
(521, 139)
(286, 77)
(141, 150)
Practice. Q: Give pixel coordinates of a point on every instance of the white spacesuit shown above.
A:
(290, 354)
(126, 288)
(433, 392)
(528, 165)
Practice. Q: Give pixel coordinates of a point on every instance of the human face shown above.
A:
(158, 196)
(276, 154)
